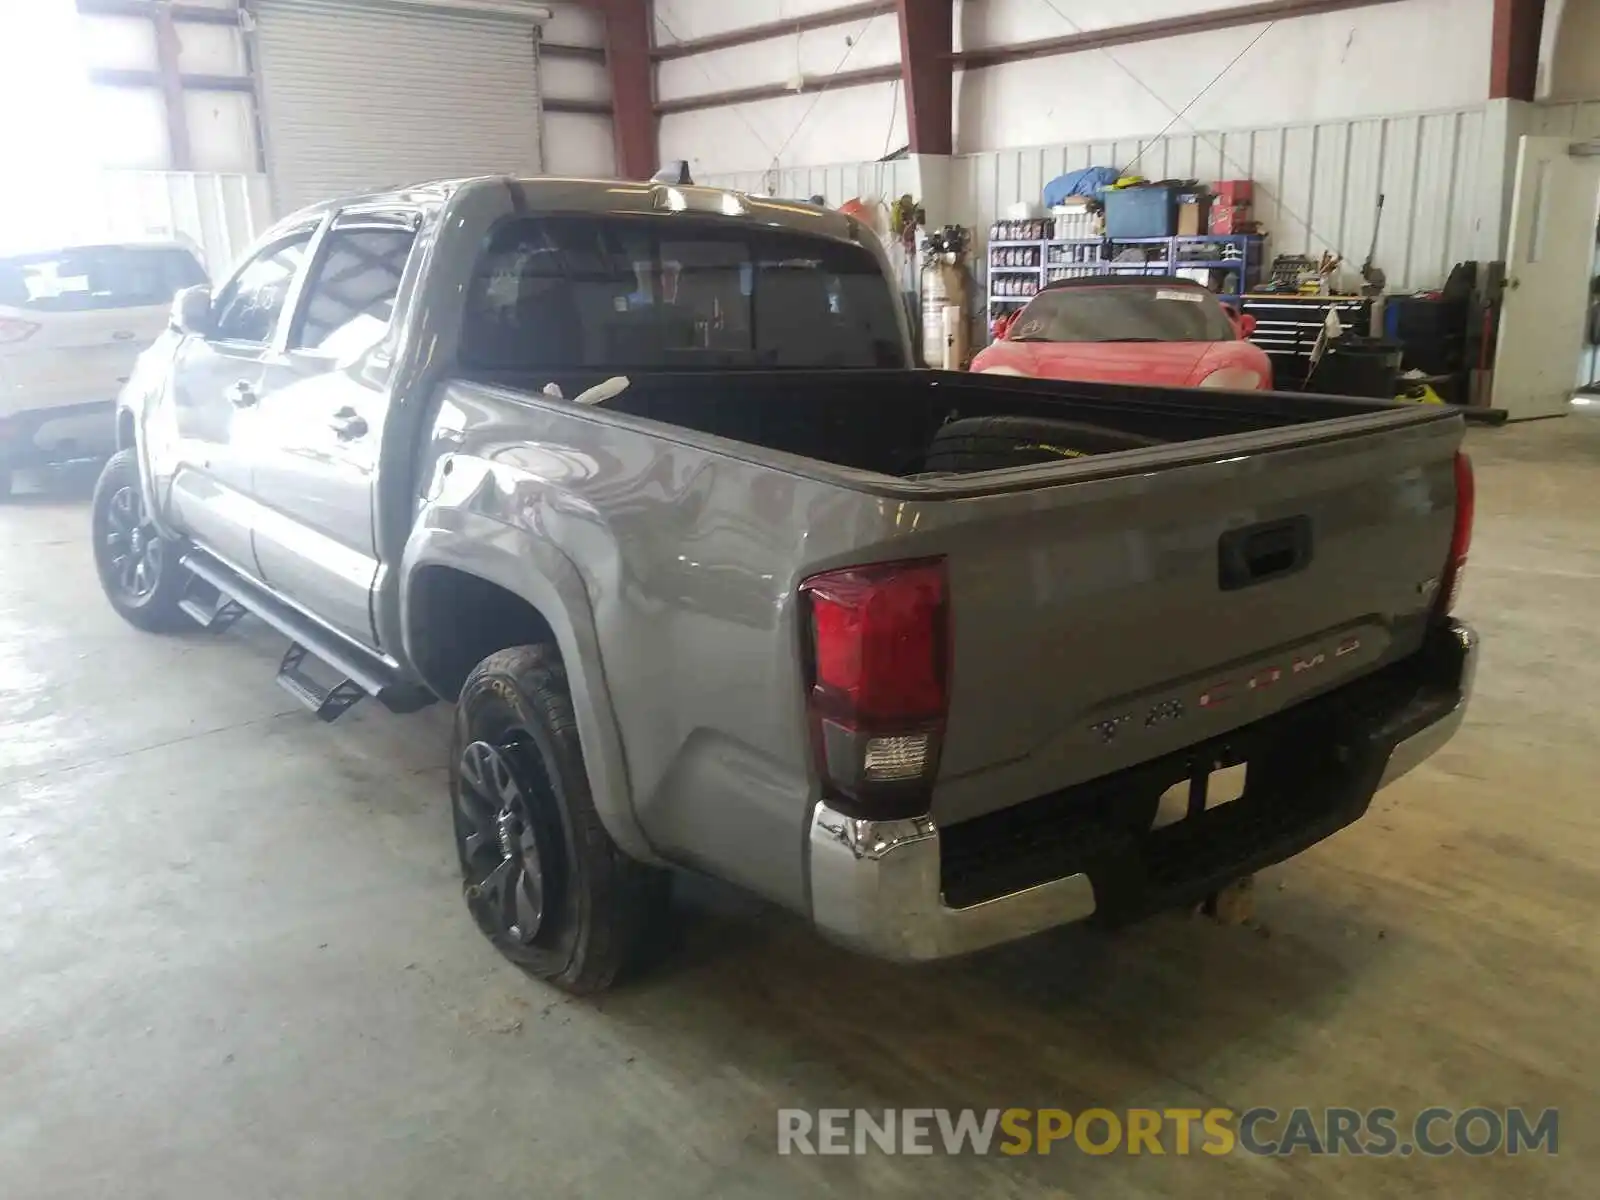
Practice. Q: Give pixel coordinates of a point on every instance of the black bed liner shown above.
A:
(886, 421)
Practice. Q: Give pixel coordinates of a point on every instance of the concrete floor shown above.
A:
(234, 961)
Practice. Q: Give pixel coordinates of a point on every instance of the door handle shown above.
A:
(348, 424)
(241, 395)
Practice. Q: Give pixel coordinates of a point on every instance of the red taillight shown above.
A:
(1460, 535)
(14, 330)
(879, 681)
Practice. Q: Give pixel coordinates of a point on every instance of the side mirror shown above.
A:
(191, 311)
(1003, 323)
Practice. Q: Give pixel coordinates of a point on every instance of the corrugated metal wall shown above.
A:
(848, 181)
(1317, 185)
(220, 214)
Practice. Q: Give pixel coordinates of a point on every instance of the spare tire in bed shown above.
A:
(989, 443)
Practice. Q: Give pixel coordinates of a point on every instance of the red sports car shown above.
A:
(1129, 329)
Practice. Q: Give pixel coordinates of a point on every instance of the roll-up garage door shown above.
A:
(359, 95)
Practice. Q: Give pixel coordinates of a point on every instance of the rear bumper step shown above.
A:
(911, 890)
(359, 672)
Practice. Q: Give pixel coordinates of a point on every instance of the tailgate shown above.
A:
(1101, 623)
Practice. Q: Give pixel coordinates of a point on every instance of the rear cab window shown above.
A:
(642, 293)
(93, 278)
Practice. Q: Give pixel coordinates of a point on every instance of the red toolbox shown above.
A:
(1234, 193)
(1230, 219)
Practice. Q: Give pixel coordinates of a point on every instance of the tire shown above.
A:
(542, 878)
(138, 568)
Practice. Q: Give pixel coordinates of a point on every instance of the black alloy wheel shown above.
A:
(509, 838)
(139, 569)
(134, 551)
(542, 876)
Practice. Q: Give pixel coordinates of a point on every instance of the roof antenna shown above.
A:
(675, 173)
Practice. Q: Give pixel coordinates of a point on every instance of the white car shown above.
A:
(72, 322)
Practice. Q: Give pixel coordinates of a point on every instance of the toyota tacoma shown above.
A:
(645, 482)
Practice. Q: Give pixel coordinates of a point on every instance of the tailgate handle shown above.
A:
(1261, 552)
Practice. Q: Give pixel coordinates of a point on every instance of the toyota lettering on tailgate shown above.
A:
(1220, 692)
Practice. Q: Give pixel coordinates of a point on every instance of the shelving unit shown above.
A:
(1239, 255)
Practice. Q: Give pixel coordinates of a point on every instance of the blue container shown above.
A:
(1141, 212)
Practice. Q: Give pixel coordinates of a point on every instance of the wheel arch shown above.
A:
(514, 592)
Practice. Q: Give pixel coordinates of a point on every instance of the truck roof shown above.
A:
(558, 194)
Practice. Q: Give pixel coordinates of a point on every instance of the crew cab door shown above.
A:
(216, 387)
(314, 453)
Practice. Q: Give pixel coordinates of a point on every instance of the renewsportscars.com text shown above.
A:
(1379, 1132)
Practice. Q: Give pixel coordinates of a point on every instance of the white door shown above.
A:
(1553, 213)
(360, 96)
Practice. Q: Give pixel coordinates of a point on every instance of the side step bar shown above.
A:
(360, 672)
(209, 608)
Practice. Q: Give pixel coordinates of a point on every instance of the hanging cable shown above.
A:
(1198, 96)
(711, 79)
(839, 66)
(1178, 116)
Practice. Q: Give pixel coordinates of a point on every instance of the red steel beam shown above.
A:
(927, 73)
(1147, 31)
(775, 29)
(627, 30)
(771, 91)
(179, 150)
(1514, 49)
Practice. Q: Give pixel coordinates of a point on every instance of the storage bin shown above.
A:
(1352, 365)
(1141, 212)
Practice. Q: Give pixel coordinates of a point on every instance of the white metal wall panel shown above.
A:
(1316, 186)
(360, 95)
(838, 183)
(219, 214)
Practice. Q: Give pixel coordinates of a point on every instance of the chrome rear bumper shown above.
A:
(1411, 751)
(877, 886)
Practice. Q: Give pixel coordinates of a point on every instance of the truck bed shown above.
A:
(886, 421)
(1106, 610)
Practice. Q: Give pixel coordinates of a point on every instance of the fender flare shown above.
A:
(535, 570)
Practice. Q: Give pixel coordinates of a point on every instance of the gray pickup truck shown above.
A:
(644, 480)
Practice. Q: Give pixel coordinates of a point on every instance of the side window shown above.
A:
(248, 310)
(350, 298)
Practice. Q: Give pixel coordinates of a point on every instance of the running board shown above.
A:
(329, 703)
(211, 609)
(360, 672)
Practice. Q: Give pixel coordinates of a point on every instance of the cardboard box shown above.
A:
(1193, 210)
(1230, 219)
(1232, 193)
